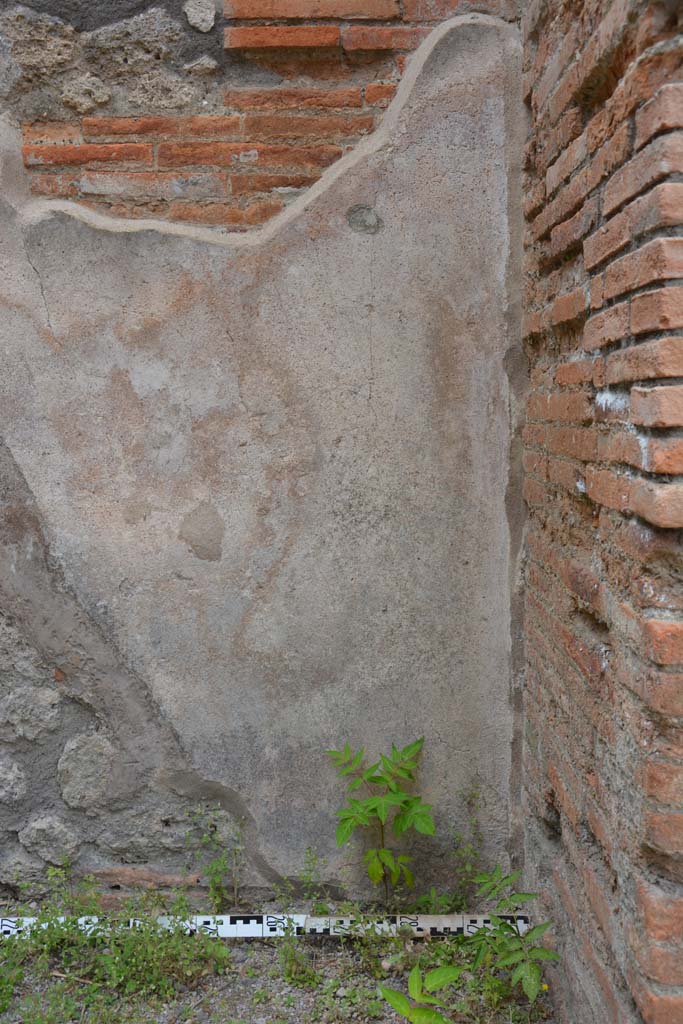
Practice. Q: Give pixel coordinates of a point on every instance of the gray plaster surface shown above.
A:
(263, 482)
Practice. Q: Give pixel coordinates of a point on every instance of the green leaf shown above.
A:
(387, 857)
(374, 867)
(423, 1015)
(531, 981)
(397, 1001)
(412, 750)
(511, 958)
(381, 805)
(408, 876)
(540, 953)
(415, 984)
(344, 831)
(354, 764)
(479, 958)
(441, 977)
(424, 823)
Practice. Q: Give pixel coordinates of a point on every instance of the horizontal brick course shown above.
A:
(278, 37)
(303, 9)
(88, 153)
(294, 99)
(360, 37)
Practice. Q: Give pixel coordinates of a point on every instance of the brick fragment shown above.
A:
(439, 10)
(296, 99)
(663, 113)
(664, 832)
(279, 37)
(657, 407)
(404, 37)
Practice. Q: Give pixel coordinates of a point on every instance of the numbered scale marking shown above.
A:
(273, 926)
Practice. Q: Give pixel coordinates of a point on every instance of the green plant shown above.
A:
(226, 857)
(503, 945)
(493, 961)
(387, 802)
(107, 960)
(311, 882)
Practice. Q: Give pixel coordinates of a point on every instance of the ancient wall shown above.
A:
(604, 458)
(261, 490)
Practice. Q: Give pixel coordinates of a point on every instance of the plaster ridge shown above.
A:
(37, 210)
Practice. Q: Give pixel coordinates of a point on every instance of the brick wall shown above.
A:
(337, 64)
(604, 465)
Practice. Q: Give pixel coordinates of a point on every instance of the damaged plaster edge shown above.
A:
(32, 211)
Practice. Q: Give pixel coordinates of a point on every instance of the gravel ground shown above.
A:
(252, 992)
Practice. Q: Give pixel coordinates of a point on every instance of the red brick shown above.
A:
(662, 207)
(649, 360)
(74, 156)
(296, 99)
(578, 372)
(607, 488)
(566, 308)
(663, 113)
(380, 93)
(664, 832)
(661, 912)
(567, 234)
(225, 214)
(325, 127)
(172, 127)
(661, 964)
(54, 131)
(659, 503)
(664, 782)
(360, 37)
(249, 184)
(664, 640)
(134, 184)
(603, 328)
(660, 158)
(293, 9)
(242, 155)
(658, 310)
(657, 407)
(659, 260)
(656, 1007)
(568, 160)
(278, 37)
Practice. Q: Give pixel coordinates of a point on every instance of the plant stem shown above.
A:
(385, 877)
